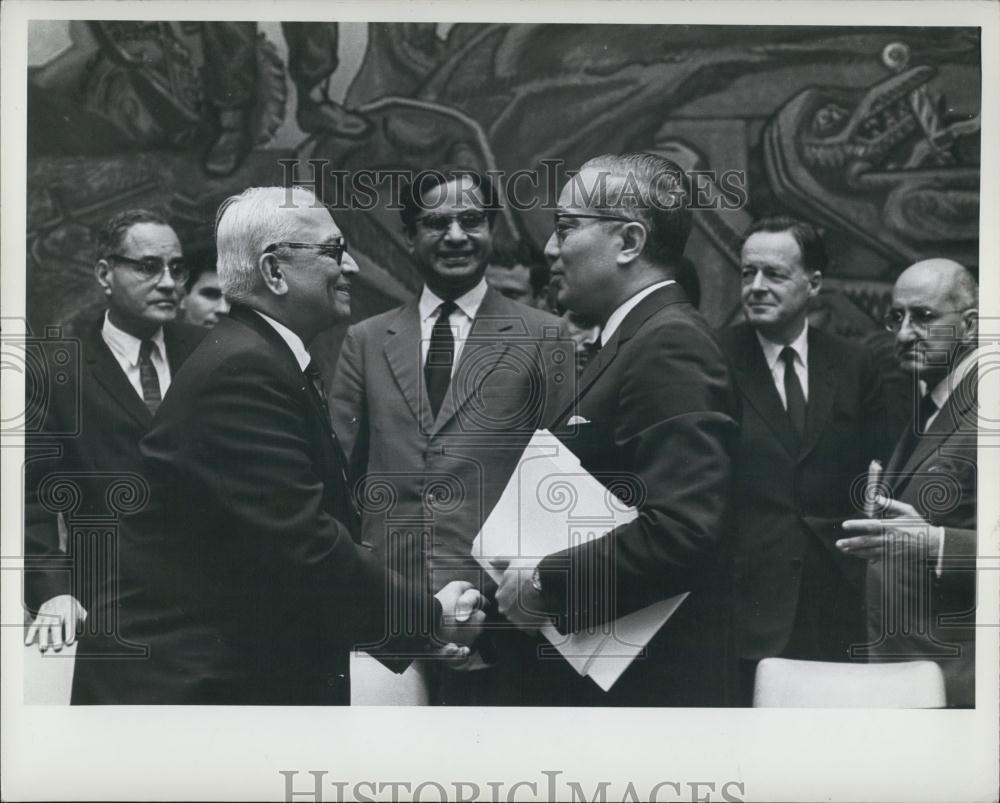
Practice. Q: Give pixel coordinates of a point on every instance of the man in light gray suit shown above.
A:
(434, 403)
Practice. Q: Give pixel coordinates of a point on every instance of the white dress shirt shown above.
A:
(302, 356)
(460, 320)
(776, 365)
(125, 348)
(619, 314)
(943, 389)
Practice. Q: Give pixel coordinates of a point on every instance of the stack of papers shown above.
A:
(551, 503)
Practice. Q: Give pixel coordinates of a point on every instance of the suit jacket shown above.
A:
(427, 484)
(792, 496)
(661, 413)
(912, 612)
(442, 476)
(84, 462)
(243, 578)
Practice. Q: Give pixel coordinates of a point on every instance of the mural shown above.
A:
(871, 133)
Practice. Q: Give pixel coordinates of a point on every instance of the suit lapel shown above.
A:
(822, 389)
(960, 406)
(655, 301)
(109, 374)
(403, 353)
(759, 389)
(483, 350)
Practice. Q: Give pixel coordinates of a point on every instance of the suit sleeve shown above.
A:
(675, 436)
(241, 447)
(875, 424)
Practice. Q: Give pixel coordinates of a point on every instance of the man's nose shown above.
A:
(348, 265)
(759, 284)
(166, 281)
(454, 232)
(907, 333)
(223, 306)
(552, 248)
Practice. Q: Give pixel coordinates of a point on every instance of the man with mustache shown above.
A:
(435, 402)
(921, 582)
(94, 424)
(814, 416)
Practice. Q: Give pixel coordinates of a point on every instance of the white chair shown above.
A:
(783, 683)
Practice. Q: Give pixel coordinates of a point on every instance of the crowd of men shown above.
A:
(290, 536)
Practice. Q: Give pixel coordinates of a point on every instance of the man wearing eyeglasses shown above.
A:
(814, 416)
(655, 410)
(245, 576)
(435, 401)
(921, 551)
(130, 355)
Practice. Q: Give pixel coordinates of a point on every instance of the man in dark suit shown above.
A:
(89, 441)
(245, 577)
(921, 582)
(436, 400)
(814, 416)
(656, 406)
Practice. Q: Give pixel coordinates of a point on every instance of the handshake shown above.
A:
(462, 618)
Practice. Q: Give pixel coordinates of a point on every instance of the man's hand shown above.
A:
(517, 597)
(461, 621)
(902, 528)
(56, 623)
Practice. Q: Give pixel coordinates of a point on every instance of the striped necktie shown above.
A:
(148, 377)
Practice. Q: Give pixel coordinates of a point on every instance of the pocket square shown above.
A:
(577, 419)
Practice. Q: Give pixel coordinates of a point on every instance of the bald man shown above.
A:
(921, 554)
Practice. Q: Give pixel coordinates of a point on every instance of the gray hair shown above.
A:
(248, 223)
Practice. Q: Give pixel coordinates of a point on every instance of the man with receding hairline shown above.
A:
(921, 553)
(245, 576)
(814, 416)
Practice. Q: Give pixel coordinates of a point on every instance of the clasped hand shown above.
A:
(462, 620)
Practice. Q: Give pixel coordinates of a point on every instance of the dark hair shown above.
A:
(203, 262)
(112, 234)
(654, 189)
(807, 236)
(426, 180)
(507, 254)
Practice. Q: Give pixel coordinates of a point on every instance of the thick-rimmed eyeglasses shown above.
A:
(562, 232)
(471, 220)
(150, 268)
(335, 249)
(921, 318)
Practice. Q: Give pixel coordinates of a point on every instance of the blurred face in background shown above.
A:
(514, 282)
(204, 303)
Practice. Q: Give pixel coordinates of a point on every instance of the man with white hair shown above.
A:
(921, 586)
(247, 579)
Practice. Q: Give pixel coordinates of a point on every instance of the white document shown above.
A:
(550, 503)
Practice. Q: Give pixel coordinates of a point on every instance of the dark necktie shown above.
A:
(148, 377)
(440, 358)
(795, 400)
(316, 380)
(925, 410)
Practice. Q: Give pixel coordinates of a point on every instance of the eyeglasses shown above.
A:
(562, 232)
(921, 318)
(470, 221)
(150, 268)
(335, 249)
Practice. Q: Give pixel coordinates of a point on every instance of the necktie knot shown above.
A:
(446, 309)
(788, 355)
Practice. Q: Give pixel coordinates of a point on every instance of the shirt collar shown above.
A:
(128, 345)
(468, 302)
(302, 356)
(943, 389)
(619, 314)
(772, 350)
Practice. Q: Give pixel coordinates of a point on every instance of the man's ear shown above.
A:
(102, 272)
(815, 283)
(971, 319)
(633, 237)
(273, 274)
